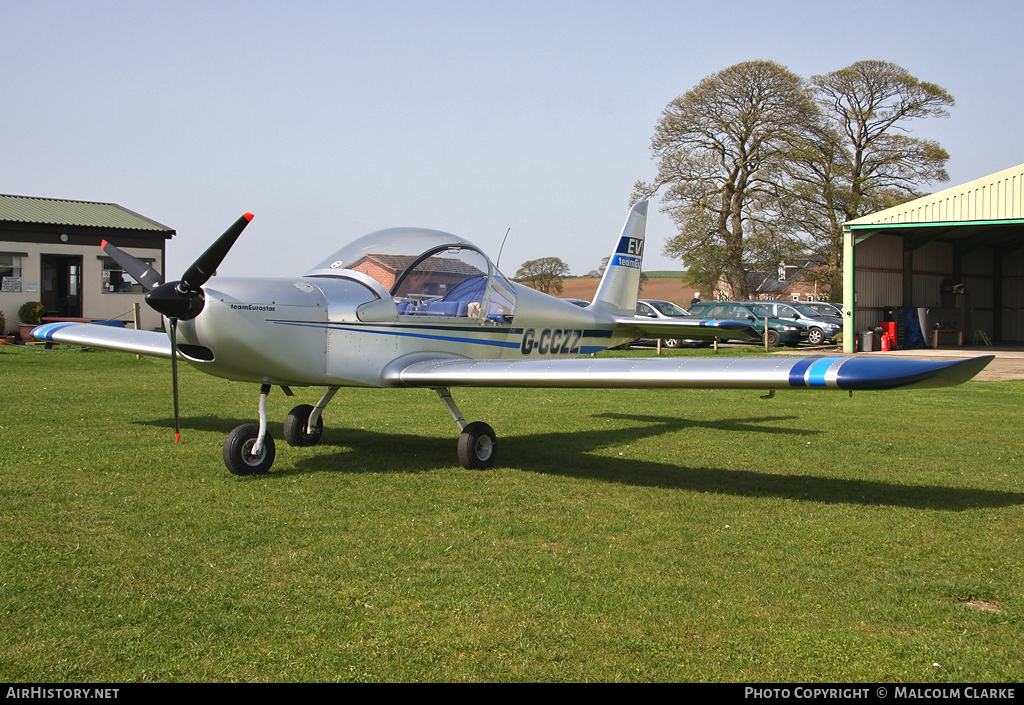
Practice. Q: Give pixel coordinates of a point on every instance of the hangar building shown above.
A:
(50, 252)
(958, 253)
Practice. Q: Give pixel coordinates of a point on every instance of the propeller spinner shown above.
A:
(184, 299)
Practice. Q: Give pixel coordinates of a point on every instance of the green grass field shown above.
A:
(624, 536)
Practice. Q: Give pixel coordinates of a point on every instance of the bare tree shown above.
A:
(761, 166)
(721, 149)
(857, 158)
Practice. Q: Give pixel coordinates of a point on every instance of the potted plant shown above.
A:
(3, 329)
(28, 318)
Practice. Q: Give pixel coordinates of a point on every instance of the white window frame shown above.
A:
(17, 271)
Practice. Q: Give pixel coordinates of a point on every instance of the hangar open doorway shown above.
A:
(953, 261)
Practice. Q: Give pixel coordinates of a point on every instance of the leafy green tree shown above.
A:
(544, 274)
(721, 150)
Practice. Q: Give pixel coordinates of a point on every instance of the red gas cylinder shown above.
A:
(890, 331)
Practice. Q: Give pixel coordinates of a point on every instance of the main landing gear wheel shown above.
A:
(478, 446)
(238, 451)
(295, 427)
(672, 342)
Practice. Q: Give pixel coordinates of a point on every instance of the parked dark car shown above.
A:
(698, 309)
(656, 308)
(789, 333)
(821, 328)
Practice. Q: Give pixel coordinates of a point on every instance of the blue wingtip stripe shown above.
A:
(812, 372)
(46, 331)
(816, 374)
(796, 373)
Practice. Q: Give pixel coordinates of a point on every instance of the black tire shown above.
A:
(478, 446)
(236, 451)
(815, 336)
(773, 339)
(295, 427)
(672, 342)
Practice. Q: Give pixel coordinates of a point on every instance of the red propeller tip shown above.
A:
(177, 437)
(103, 243)
(248, 216)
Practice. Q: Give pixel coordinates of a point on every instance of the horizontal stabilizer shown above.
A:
(687, 328)
(769, 372)
(98, 335)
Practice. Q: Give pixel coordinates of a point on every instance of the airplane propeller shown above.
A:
(139, 270)
(183, 299)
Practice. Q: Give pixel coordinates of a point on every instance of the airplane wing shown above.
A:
(686, 328)
(97, 335)
(769, 372)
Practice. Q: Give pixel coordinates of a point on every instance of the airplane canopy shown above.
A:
(427, 272)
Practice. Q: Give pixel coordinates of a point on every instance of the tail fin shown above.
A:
(620, 284)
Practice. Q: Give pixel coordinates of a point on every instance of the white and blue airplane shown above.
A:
(410, 307)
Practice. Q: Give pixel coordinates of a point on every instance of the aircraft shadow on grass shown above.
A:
(574, 454)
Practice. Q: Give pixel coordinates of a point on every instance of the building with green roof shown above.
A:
(50, 252)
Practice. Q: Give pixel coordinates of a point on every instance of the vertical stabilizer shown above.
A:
(620, 284)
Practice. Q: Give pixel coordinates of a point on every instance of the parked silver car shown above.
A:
(656, 308)
(825, 308)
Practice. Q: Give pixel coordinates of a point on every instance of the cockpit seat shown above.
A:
(442, 308)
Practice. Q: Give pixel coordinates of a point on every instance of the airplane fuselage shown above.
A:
(311, 331)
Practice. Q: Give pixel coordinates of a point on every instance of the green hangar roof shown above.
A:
(54, 211)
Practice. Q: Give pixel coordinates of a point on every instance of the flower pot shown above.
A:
(25, 330)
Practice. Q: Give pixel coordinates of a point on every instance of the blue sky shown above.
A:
(329, 120)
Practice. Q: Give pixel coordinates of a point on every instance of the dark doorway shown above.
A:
(61, 284)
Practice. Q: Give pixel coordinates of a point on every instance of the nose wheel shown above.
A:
(239, 455)
(249, 449)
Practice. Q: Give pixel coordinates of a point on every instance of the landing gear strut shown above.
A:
(249, 449)
(478, 446)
